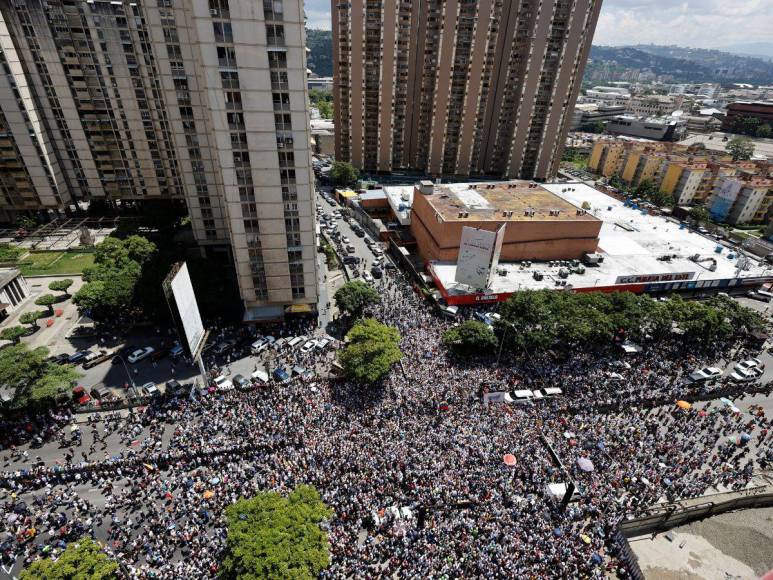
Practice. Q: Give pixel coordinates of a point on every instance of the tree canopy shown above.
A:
(700, 214)
(35, 380)
(372, 349)
(83, 560)
(270, 536)
(112, 281)
(13, 333)
(46, 300)
(740, 148)
(32, 318)
(354, 296)
(471, 337)
(61, 285)
(544, 319)
(343, 173)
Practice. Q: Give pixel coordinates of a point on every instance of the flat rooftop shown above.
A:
(487, 201)
(630, 241)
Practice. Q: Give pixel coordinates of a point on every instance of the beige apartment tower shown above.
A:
(202, 101)
(458, 87)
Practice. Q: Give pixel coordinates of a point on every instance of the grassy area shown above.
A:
(55, 263)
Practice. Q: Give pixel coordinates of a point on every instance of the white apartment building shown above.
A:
(196, 101)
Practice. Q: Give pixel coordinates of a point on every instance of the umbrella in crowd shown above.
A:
(585, 464)
(509, 459)
(683, 405)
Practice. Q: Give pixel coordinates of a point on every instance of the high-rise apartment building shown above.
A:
(197, 100)
(458, 87)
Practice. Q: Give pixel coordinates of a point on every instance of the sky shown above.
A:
(694, 23)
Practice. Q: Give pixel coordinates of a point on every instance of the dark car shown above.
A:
(377, 273)
(351, 260)
(77, 357)
(59, 359)
(240, 382)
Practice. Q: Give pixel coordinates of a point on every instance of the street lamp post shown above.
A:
(131, 379)
(502, 342)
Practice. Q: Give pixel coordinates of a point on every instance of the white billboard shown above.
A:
(478, 250)
(183, 300)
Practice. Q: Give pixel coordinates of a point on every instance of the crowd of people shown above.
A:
(413, 468)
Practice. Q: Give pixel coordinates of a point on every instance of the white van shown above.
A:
(296, 341)
(522, 396)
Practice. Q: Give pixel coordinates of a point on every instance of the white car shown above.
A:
(376, 251)
(150, 390)
(751, 364)
(140, 354)
(367, 276)
(705, 374)
(308, 346)
(345, 240)
(223, 384)
(744, 376)
(322, 344)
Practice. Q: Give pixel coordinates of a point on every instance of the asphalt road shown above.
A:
(360, 247)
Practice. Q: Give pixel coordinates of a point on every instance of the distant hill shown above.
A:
(763, 50)
(691, 64)
(320, 57)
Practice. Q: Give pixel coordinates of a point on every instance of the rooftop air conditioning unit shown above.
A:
(461, 214)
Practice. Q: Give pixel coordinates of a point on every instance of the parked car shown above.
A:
(222, 383)
(351, 260)
(59, 359)
(345, 240)
(705, 374)
(744, 375)
(140, 354)
(77, 357)
(308, 346)
(359, 233)
(322, 344)
(95, 358)
(751, 364)
(377, 273)
(367, 277)
(150, 390)
(350, 249)
(240, 382)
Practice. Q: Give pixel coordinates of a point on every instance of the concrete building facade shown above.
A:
(458, 87)
(539, 225)
(201, 101)
(13, 291)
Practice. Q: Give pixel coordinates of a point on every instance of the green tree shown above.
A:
(13, 333)
(325, 109)
(61, 286)
(32, 318)
(471, 337)
(764, 131)
(372, 349)
(270, 536)
(740, 148)
(83, 560)
(343, 173)
(35, 380)
(112, 282)
(47, 300)
(699, 214)
(354, 296)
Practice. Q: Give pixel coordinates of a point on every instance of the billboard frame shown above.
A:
(174, 309)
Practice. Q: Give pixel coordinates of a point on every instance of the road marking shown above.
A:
(7, 570)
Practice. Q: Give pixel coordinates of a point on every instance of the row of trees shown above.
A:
(546, 319)
(752, 126)
(269, 536)
(14, 333)
(540, 320)
(372, 348)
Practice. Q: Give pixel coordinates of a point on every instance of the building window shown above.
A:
(223, 32)
(226, 56)
(219, 8)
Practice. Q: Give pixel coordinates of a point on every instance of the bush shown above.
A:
(10, 253)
